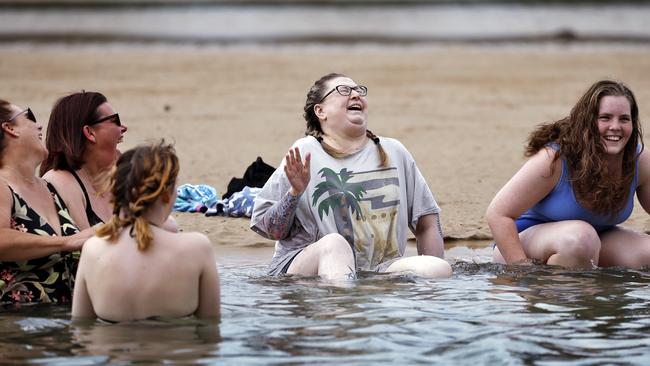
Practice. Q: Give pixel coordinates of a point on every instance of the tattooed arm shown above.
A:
(428, 234)
(277, 221)
(279, 218)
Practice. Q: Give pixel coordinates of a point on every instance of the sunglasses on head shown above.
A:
(28, 113)
(114, 117)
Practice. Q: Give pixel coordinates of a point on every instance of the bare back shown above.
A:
(174, 277)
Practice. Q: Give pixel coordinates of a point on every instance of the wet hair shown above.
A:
(314, 96)
(579, 140)
(64, 139)
(5, 115)
(139, 178)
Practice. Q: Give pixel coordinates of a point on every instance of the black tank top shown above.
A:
(93, 219)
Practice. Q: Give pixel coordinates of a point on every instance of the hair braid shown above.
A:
(140, 177)
(314, 96)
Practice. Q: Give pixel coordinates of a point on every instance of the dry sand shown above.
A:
(463, 112)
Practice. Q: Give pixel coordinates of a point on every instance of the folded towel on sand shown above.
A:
(195, 198)
(239, 204)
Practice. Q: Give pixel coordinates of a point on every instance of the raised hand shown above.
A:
(297, 171)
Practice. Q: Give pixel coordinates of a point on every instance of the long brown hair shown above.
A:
(5, 115)
(64, 139)
(577, 135)
(314, 128)
(141, 175)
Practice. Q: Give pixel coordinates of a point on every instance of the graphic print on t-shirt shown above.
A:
(364, 208)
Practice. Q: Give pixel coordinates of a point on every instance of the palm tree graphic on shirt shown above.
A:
(343, 199)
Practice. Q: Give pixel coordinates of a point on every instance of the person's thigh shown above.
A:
(422, 265)
(545, 240)
(624, 247)
(332, 246)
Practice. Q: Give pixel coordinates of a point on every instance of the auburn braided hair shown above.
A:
(140, 176)
(314, 129)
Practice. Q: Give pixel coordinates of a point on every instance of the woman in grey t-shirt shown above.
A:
(347, 205)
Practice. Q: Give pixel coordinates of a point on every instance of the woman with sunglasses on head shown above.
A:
(564, 205)
(82, 138)
(134, 269)
(38, 238)
(347, 205)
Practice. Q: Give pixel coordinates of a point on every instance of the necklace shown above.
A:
(92, 181)
(350, 150)
(17, 173)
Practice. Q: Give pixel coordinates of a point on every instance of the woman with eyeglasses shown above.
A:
(347, 205)
(565, 204)
(82, 137)
(133, 268)
(39, 240)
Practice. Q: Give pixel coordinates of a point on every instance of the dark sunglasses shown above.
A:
(30, 116)
(115, 119)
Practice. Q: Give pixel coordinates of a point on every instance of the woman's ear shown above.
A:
(165, 197)
(320, 112)
(89, 133)
(8, 128)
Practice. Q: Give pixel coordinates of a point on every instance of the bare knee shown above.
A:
(580, 243)
(422, 265)
(335, 245)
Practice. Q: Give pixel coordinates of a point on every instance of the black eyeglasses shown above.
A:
(30, 116)
(346, 90)
(115, 119)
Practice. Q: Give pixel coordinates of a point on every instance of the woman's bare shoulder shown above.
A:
(64, 182)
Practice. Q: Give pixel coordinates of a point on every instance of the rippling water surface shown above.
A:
(484, 314)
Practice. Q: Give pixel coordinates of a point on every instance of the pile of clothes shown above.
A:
(238, 201)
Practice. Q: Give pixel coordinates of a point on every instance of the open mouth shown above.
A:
(355, 107)
(613, 138)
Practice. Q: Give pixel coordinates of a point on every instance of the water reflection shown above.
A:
(578, 315)
(484, 314)
(155, 341)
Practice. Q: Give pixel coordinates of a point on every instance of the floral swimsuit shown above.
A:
(48, 279)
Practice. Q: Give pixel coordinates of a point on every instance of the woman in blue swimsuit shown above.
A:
(564, 205)
(39, 241)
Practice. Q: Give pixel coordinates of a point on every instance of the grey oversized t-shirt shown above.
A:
(371, 206)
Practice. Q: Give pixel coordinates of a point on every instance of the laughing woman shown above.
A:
(563, 207)
(82, 138)
(348, 204)
(38, 237)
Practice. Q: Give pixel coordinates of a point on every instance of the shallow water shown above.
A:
(484, 314)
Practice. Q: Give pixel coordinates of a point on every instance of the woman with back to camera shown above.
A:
(39, 241)
(565, 204)
(133, 269)
(348, 204)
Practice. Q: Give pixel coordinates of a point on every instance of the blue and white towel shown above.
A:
(238, 205)
(195, 198)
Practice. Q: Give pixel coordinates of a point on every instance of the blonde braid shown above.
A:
(140, 177)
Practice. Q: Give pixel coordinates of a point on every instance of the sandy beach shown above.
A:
(463, 112)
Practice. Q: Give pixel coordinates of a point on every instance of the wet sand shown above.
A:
(463, 112)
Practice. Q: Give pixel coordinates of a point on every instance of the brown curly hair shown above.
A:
(140, 176)
(577, 135)
(314, 96)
